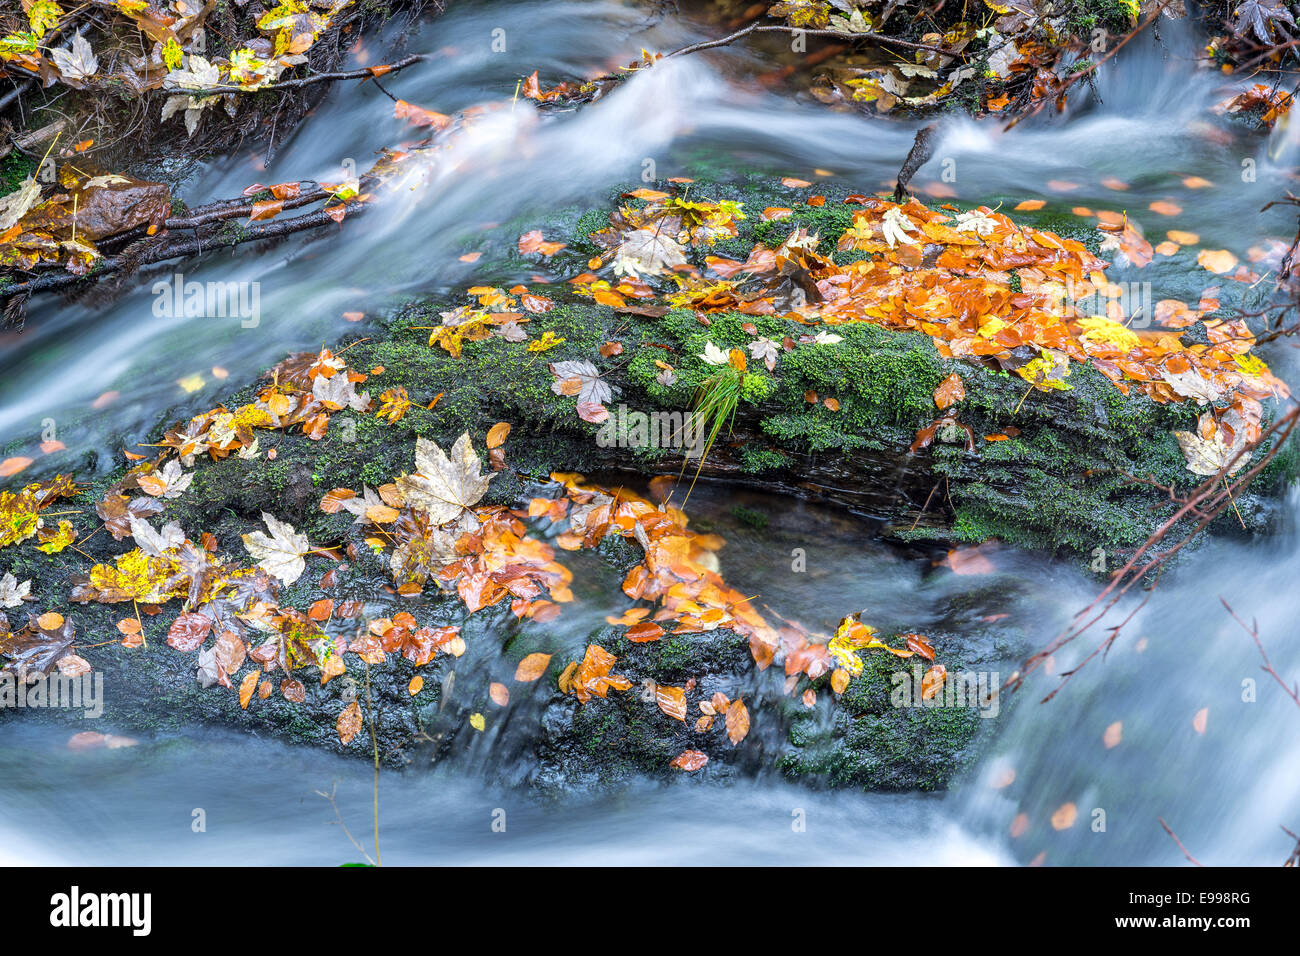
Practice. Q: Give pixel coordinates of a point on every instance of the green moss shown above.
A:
(755, 519)
(869, 743)
(14, 169)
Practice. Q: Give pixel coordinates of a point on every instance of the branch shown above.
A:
(1179, 842)
(369, 72)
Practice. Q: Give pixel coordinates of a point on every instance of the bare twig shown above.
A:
(1292, 692)
(1179, 842)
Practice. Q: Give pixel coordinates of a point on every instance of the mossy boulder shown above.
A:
(1059, 481)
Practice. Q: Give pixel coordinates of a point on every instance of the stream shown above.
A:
(103, 370)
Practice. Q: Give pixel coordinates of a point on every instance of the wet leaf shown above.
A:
(279, 554)
(737, 721)
(349, 723)
(532, 667)
(690, 760)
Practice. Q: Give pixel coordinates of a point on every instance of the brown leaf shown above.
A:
(950, 391)
(189, 631)
(349, 723)
(293, 690)
(499, 693)
(737, 721)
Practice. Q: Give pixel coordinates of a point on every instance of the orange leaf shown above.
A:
(418, 116)
(349, 723)
(321, 610)
(499, 693)
(265, 210)
(933, 680)
(690, 760)
(11, 466)
(416, 685)
(497, 434)
(737, 721)
(645, 632)
(672, 701)
(532, 667)
(950, 391)
(1064, 816)
(247, 687)
(531, 242)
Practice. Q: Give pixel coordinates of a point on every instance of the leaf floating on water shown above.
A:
(532, 667)
(1201, 719)
(443, 487)
(1113, 736)
(1064, 816)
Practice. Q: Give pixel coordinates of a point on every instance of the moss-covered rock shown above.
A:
(1057, 481)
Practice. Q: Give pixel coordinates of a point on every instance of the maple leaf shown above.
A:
(117, 512)
(39, 646)
(369, 507)
(977, 222)
(54, 541)
(1191, 384)
(765, 349)
(76, 63)
(338, 392)
(445, 488)
(422, 551)
(895, 226)
(280, 553)
(1208, 455)
(12, 594)
(1262, 18)
(579, 377)
(650, 251)
(134, 576)
(167, 482)
(712, 355)
(154, 543)
(15, 205)
(394, 404)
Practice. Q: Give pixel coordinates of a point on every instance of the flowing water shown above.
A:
(104, 369)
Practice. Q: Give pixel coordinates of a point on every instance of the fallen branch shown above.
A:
(366, 73)
(1205, 503)
(1179, 842)
(163, 251)
(759, 27)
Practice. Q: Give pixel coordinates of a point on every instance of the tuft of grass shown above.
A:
(715, 408)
